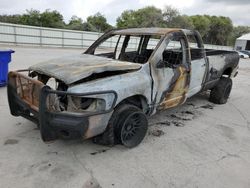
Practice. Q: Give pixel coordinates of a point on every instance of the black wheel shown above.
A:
(220, 93)
(127, 126)
(131, 126)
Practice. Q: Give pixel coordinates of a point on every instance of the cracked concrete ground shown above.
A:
(198, 144)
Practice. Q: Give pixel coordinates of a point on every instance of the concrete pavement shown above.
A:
(198, 144)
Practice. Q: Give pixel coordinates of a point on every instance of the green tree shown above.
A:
(15, 19)
(169, 14)
(46, 19)
(173, 18)
(75, 23)
(52, 19)
(213, 29)
(98, 23)
(88, 27)
(220, 30)
(31, 17)
(181, 21)
(201, 24)
(145, 17)
(126, 20)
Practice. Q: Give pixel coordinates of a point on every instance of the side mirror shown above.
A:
(163, 64)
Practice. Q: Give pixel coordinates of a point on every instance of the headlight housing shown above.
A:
(83, 104)
(90, 103)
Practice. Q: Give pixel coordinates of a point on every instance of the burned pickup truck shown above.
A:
(107, 92)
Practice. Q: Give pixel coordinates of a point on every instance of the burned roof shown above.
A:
(146, 31)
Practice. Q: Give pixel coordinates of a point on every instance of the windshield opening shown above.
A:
(131, 48)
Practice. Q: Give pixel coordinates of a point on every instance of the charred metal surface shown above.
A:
(176, 94)
(220, 62)
(54, 124)
(74, 68)
(126, 85)
(146, 31)
(27, 89)
(76, 96)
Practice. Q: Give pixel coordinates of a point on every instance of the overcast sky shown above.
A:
(237, 10)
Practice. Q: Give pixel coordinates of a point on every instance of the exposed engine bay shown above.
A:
(69, 103)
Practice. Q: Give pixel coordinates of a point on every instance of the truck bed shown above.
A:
(222, 59)
(221, 63)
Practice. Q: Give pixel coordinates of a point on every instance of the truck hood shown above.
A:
(74, 68)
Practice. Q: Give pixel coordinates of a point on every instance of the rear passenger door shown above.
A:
(198, 63)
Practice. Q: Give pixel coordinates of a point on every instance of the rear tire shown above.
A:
(220, 93)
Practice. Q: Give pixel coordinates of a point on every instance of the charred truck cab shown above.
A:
(126, 75)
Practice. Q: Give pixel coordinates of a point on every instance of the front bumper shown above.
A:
(32, 105)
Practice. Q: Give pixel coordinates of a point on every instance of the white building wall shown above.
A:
(240, 44)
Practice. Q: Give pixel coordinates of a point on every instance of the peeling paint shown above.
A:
(159, 87)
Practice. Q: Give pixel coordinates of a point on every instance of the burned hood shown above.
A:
(74, 68)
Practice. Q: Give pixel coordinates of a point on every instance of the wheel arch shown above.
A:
(227, 72)
(139, 101)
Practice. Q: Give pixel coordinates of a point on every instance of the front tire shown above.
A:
(131, 126)
(127, 126)
(220, 93)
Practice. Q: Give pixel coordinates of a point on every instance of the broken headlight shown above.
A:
(84, 104)
(75, 104)
(88, 103)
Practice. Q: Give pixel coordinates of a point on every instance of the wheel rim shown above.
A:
(134, 129)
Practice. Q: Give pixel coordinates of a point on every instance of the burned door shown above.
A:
(171, 71)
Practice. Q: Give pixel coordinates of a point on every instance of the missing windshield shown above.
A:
(130, 48)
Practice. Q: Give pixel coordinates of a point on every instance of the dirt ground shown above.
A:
(198, 144)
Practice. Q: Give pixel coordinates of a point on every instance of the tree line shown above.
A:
(217, 30)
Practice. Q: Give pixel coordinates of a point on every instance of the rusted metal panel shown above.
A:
(170, 83)
(97, 125)
(176, 93)
(75, 68)
(27, 89)
(146, 31)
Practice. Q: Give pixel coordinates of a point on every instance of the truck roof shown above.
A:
(146, 31)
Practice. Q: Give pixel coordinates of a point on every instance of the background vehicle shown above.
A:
(245, 52)
(107, 93)
(242, 55)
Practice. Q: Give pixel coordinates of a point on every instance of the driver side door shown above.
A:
(171, 71)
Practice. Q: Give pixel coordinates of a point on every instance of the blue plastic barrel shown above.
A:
(5, 58)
